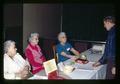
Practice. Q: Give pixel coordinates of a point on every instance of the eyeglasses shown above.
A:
(36, 39)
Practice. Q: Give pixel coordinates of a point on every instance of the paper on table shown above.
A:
(50, 66)
(87, 66)
(61, 66)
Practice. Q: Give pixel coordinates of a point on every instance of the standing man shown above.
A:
(109, 54)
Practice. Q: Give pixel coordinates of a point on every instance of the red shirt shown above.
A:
(36, 65)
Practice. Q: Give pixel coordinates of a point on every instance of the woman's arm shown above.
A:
(9, 75)
(30, 57)
(68, 56)
(75, 52)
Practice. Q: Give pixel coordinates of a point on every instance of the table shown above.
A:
(84, 71)
(97, 73)
(42, 75)
(92, 57)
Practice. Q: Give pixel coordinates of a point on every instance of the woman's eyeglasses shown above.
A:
(36, 39)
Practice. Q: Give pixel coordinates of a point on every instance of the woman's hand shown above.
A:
(41, 61)
(23, 73)
(26, 67)
(73, 58)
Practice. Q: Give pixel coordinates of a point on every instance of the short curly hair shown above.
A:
(110, 19)
(7, 44)
(31, 36)
(61, 34)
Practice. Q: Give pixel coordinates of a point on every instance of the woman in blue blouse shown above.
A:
(64, 48)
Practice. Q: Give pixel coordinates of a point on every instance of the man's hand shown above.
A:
(113, 70)
(96, 64)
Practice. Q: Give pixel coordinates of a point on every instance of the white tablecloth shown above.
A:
(92, 57)
(86, 71)
(78, 73)
(82, 71)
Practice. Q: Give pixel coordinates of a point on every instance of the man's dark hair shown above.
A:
(110, 19)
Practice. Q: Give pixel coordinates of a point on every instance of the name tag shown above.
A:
(68, 49)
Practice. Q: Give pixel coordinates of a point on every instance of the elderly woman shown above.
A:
(64, 48)
(34, 54)
(15, 67)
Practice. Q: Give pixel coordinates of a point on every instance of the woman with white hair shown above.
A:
(64, 48)
(15, 67)
(34, 54)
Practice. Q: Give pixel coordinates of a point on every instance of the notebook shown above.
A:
(50, 66)
(51, 70)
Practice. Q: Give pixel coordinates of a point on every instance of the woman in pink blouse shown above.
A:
(33, 53)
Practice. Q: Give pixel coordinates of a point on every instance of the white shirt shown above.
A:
(12, 66)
